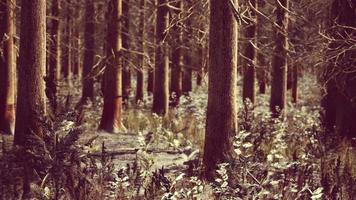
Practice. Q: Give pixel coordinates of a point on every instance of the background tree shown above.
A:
(111, 117)
(279, 65)
(249, 79)
(338, 102)
(89, 45)
(161, 91)
(140, 71)
(221, 122)
(177, 53)
(7, 67)
(126, 70)
(54, 73)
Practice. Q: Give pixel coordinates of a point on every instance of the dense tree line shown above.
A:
(167, 45)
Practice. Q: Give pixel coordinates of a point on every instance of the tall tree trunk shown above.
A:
(7, 67)
(187, 84)
(221, 122)
(140, 72)
(339, 160)
(249, 79)
(201, 71)
(89, 31)
(177, 57)
(31, 104)
(68, 46)
(279, 66)
(54, 57)
(295, 83)
(161, 90)
(126, 72)
(111, 117)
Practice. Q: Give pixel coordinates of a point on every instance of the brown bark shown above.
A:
(68, 53)
(249, 78)
(31, 106)
(295, 83)
(7, 67)
(339, 161)
(161, 90)
(221, 122)
(54, 57)
(279, 65)
(140, 72)
(151, 81)
(187, 84)
(111, 117)
(88, 63)
(126, 70)
(177, 58)
(201, 71)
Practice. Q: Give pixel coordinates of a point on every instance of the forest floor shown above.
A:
(272, 155)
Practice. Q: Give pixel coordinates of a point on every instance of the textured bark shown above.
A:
(89, 31)
(140, 72)
(126, 70)
(31, 107)
(161, 90)
(187, 84)
(68, 53)
(54, 57)
(111, 117)
(339, 161)
(177, 59)
(249, 79)
(221, 122)
(7, 67)
(279, 65)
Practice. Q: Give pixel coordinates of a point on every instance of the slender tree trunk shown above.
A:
(187, 84)
(279, 66)
(177, 58)
(89, 45)
(54, 57)
(161, 90)
(201, 72)
(126, 70)
(69, 44)
(140, 72)
(111, 117)
(249, 79)
(221, 122)
(295, 83)
(31, 106)
(7, 67)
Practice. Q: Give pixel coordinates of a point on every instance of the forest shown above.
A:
(178, 99)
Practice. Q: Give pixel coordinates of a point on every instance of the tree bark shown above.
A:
(140, 72)
(126, 70)
(187, 84)
(249, 79)
(161, 90)
(339, 160)
(279, 66)
(177, 58)
(89, 45)
(7, 67)
(111, 117)
(54, 57)
(295, 83)
(31, 102)
(221, 122)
